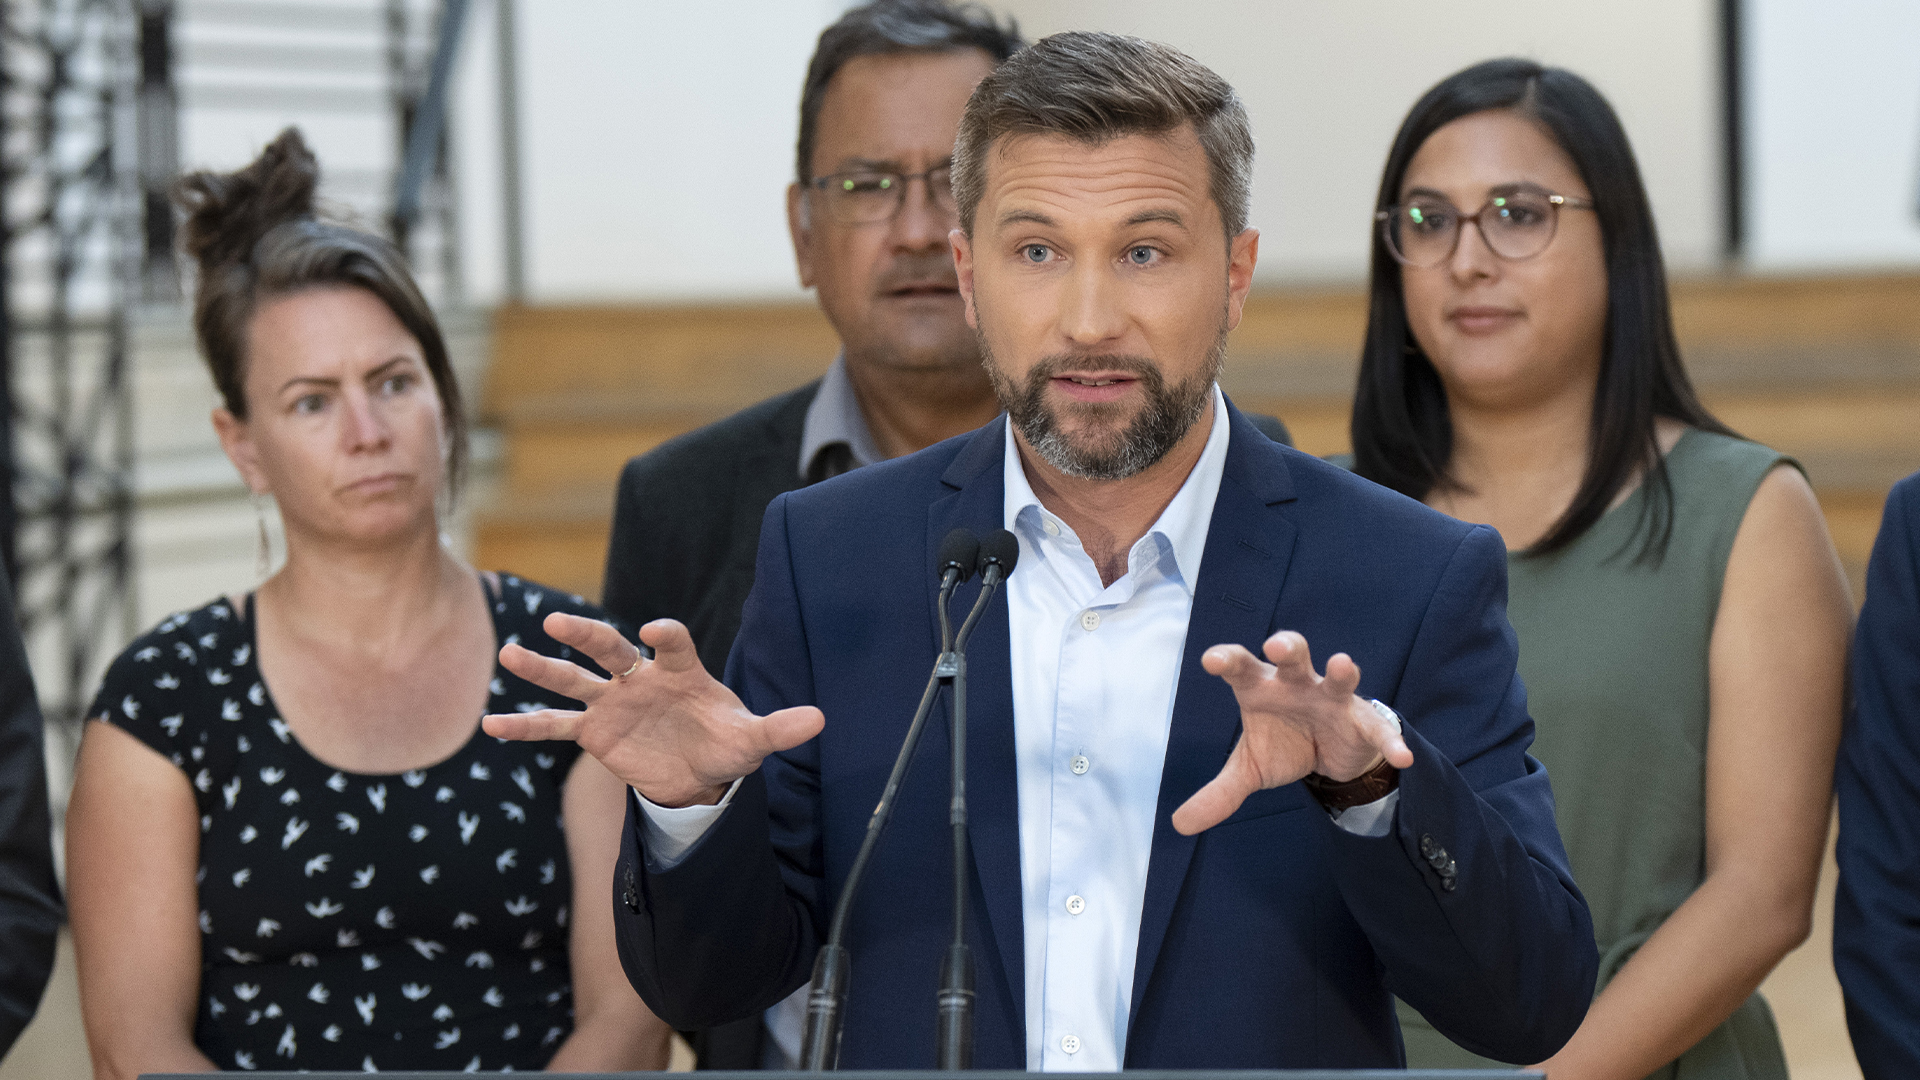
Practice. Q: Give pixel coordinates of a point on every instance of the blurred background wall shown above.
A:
(626, 274)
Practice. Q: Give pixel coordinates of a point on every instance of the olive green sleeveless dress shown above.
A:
(1614, 657)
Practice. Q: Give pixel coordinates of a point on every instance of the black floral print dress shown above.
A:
(409, 921)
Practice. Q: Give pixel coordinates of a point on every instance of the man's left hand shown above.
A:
(1293, 722)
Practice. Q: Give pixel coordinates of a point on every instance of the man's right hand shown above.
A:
(669, 730)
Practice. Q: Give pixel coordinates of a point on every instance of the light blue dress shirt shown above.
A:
(835, 417)
(1094, 673)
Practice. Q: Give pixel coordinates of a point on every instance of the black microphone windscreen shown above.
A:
(960, 550)
(1000, 546)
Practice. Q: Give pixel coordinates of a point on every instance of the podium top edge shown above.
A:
(923, 1074)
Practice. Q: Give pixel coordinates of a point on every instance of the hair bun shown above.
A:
(228, 213)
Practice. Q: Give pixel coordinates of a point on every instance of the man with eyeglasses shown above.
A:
(869, 210)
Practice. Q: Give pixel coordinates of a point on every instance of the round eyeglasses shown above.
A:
(868, 196)
(1425, 231)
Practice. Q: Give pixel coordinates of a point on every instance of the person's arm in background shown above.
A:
(1777, 670)
(669, 550)
(133, 844)
(613, 1030)
(29, 897)
(630, 589)
(1876, 913)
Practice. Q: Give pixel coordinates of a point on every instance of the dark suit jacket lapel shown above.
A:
(1248, 549)
(976, 500)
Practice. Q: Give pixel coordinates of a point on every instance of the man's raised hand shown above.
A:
(1293, 722)
(669, 730)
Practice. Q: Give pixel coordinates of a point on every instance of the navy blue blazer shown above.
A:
(1876, 913)
(1273, 939)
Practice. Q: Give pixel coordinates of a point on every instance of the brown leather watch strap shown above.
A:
(1370, 786)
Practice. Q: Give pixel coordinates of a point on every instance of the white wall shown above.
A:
(656, 141)
(658, 135)
(1328, 83)
(1833, 130)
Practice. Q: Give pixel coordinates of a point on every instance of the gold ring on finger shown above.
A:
(636, 667)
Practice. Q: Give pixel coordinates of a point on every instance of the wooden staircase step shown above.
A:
(1825, 369)
(566, 554)
(734, 354)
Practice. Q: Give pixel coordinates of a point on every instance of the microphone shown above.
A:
(998, 552)
(827, 994)
(959, 555)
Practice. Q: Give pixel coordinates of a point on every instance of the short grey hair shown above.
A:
(1096, 87)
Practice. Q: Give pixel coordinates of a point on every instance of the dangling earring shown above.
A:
(263, 560)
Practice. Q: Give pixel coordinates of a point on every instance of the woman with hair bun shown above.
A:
(289, 845)
(1681, 614)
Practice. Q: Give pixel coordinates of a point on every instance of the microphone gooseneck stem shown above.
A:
(954, 1029)
(954, 1042)
(827, 995)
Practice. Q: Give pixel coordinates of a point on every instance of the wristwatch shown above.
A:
(1370, 786)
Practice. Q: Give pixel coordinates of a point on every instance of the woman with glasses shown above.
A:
(1682, 616)
(290, 846)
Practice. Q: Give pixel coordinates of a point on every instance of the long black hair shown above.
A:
(1402, 435)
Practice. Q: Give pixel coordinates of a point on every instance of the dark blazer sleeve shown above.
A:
(686, 522)
(1876, 917)
(731, 929)
(29, 899)
(1472, 888)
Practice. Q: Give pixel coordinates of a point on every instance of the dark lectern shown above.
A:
(912, 1074)
(980, 1075)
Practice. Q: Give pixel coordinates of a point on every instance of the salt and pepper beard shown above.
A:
(1169, 413)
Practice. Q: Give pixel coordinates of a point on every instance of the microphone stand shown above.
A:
(827, 994)
(954, 1031)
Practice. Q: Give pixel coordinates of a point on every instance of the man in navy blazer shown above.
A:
(1876, 946)
(1252, 858)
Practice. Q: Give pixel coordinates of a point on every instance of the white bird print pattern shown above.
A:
(395, 944)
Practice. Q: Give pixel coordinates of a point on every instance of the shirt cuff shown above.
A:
(1374, 819)
(670, 831)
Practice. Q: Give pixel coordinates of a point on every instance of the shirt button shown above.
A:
(1090, 620)
(1049, 527)
(1070, 1043)
(1079, 764)
(1075, 905)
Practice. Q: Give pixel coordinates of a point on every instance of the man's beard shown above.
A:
(1169, 413)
